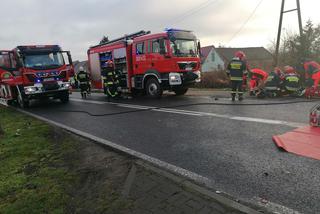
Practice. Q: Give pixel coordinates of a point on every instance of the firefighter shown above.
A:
(111, 81)
(236, 70)
(291, 80)
(84, 81)
(275, 79)
(312, 76)
(274, 82)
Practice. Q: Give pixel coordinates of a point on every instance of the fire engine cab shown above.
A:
(34, 72)
(149, 63)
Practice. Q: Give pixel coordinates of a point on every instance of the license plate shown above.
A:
(188, 68)
(48, 79)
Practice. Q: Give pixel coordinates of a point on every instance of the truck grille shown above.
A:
(187, 65)
(50, 86)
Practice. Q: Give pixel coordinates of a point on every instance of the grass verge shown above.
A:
(46, 170)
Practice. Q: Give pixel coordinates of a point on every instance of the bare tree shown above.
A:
(295, 48)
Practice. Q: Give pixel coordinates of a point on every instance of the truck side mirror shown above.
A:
(66, 54)
(199, 49)
(69, 58)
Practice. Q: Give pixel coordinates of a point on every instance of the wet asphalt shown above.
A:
(238, 156)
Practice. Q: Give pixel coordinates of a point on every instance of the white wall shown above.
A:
(213, 62)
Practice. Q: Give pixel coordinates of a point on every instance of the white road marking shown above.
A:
(89, 101)
(173, 111)
(196, 113)
(133, 106)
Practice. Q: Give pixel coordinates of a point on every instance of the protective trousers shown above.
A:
(112, 89)
(236, 87)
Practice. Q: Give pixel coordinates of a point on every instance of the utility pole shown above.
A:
(282, 11)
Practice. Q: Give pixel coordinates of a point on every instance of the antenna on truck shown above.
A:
(125, 37)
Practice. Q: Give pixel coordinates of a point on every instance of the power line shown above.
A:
(192, 11)
(246, 22)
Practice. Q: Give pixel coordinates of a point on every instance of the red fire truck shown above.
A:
(34, 72)
(148, 62)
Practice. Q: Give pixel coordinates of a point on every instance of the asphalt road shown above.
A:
(230, 144)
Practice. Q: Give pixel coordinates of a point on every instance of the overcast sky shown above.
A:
(78, 24)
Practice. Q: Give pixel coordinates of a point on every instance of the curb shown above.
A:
(196, 188)
(186, 178)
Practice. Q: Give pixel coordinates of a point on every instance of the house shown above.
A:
(78, 64)
(258, 57)
(211, 60)
(215, 59)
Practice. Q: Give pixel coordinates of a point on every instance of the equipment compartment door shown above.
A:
(140, 58)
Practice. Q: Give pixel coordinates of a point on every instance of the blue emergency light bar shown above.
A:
(176, 30)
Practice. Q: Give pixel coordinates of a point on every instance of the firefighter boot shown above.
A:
(233, 97)
(240, 97)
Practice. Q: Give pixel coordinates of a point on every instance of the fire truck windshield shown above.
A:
(43, 60)
(183, 48)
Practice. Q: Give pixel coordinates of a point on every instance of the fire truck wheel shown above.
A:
(180, 91)
(23, 103)
(153, 88)
(64, 97)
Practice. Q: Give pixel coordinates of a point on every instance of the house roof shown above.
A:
(252, 53)
(205, 52)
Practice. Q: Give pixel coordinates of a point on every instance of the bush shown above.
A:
(214, 79)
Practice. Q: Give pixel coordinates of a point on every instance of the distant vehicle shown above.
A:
(35, 72)
(149, 63)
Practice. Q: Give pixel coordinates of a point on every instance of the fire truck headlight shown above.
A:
(30, 90)
(175, 79)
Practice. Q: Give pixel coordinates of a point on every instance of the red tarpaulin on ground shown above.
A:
(302, 141)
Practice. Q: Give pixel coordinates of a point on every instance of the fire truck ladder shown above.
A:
(125, 37)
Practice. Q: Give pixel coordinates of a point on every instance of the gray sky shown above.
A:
(75, 25)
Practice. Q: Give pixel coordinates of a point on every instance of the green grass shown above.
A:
(33, 174)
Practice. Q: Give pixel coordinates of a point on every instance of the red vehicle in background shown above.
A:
(35, 72)
(149, 63)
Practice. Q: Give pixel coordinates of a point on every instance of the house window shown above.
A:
(140, 48)
(213, 56)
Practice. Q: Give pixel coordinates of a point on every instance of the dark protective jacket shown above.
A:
(83, 77)
(111, 82)
(112, 78)
(236, 69)
(292, 82)
(273, 81)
